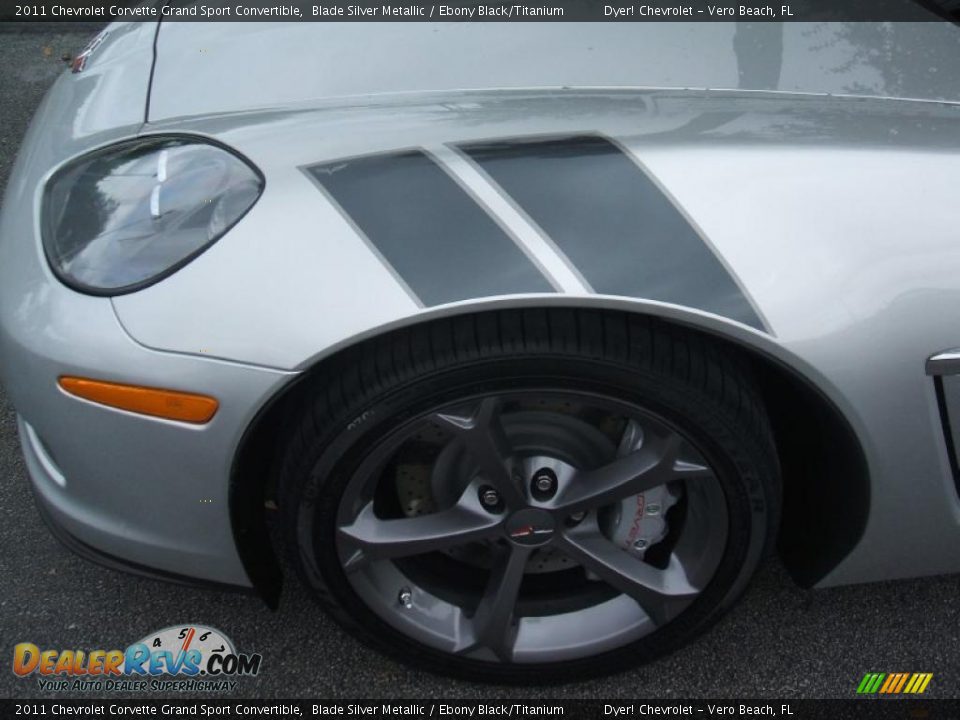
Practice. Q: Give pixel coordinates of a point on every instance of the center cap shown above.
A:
(530, 527)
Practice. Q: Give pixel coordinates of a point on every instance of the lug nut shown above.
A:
(490, 499)
(640, 544)
(544, 484)
(405, 598)
(653, 509)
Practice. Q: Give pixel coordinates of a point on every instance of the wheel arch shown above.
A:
(820, 452)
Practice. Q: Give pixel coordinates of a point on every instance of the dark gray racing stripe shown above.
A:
(616, 226)
(437, 239)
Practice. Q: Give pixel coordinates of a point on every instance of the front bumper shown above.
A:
(42, 471)
(135, 491)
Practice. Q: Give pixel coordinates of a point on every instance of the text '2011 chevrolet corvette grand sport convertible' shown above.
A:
(520, 345)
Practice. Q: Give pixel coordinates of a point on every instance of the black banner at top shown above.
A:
(493, 709)
(481, 10)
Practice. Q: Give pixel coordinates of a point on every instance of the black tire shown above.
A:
(697, 385)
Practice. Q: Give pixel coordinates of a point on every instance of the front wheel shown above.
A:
(523, 495)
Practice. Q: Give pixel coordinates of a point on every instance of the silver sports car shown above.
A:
(519, 344)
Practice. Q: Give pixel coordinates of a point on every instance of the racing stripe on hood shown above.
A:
(437, 239)
(613, 222)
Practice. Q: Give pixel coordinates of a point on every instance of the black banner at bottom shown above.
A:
(872, 709)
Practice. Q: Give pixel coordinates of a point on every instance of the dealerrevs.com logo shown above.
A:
(185, 658)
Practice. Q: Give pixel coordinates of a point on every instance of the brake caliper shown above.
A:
(641, 521)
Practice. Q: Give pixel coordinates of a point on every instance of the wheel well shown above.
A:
(819, 453)
(826, 481)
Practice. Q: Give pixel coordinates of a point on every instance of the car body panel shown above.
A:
(829, 253)
(217, 67)
(127, 485)
(132, 486)
(111, 91)
(150, 491)
(832, 215)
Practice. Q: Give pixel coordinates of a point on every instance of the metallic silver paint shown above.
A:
(213, 68)
(122, 483)
(835, 213)
(129, 485)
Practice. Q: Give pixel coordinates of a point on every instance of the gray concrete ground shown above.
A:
(780, 641)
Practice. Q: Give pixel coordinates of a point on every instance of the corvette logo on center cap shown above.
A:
(530, 530)
(530, 526)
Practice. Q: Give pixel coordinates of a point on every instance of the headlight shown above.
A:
(127, 216)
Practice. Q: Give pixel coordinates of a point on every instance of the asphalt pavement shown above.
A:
(779, 641)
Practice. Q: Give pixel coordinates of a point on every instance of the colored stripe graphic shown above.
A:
(434, 236)
(891, 680)
(919, 683)
(894, 683)
(903, 679)
(613, 222)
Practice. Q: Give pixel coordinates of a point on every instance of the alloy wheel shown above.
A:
(531, 526)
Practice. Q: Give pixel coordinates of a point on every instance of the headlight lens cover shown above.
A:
(127, 216)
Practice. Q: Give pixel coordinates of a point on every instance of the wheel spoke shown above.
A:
(372, 538)
(483, 435)
(631, 439)
(660, 593)
(653, 464)
(685, 470)
(493, 624)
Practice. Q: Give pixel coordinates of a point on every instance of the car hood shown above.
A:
(224, 67)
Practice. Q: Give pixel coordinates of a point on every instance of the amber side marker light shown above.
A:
(168, 404)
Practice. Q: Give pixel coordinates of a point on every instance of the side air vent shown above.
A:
(945, 370)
